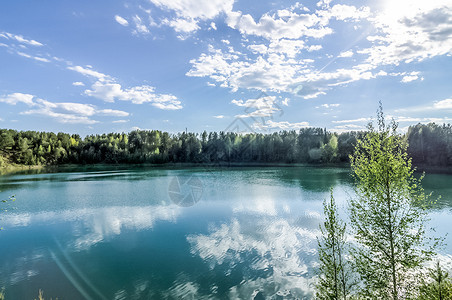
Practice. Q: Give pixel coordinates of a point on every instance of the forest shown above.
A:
(429, 144)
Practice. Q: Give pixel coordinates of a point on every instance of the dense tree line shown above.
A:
(430, 144)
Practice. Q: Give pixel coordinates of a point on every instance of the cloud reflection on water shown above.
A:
(274, 254)
(93, 225)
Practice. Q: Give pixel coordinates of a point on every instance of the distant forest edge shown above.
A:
(429, 145)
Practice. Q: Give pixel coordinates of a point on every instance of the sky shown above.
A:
(91, 67)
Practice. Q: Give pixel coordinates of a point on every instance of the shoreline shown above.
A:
(104, 166)
(433, 169)
(18, 168)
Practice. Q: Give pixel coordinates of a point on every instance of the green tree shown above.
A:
(334, 279)
(329, 153)
(438, 286)
(6, 140)
(389, 215)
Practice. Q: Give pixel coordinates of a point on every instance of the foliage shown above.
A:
(308, 145)
(430, 144)
(388, 216)
(40, 295)
(35, 148)
(439, 285)
(334, 279)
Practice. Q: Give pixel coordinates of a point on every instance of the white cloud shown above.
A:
(421, 120)
(24, 54)
(411, 31)
(434, 107)
(314, 48)
(352, 121)
(324, 3)
(289, 24)
(38, 58)
(64, 112)
(140, 27)
(423, 30)
(219, 117)
(15, 98)
(105, 88)
(41, 59)
(74, 113)
(213, 26)
(330, 105)
(258, 48)
(288, 47)
(348, 12)
(409, 78)
(348, 53)
(121, 121)
(76, 108)
(274, 71)
(283, 24)
(406, 76)
(113, 112)
(236, 71)
(190, 12)
(20, 39)
(260, 107)
(348, 127)
(443, 104)
(105, 91)
(61, 117)
(182, 25)
(121, 20)
(109, 92)
(88, 72)
(283, 125)
(196, 9)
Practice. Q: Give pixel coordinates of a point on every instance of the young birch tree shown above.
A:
(334, 280)
(388, 215)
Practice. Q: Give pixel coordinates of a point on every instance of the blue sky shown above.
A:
(101, 66)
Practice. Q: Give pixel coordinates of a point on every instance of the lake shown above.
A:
(157, 233)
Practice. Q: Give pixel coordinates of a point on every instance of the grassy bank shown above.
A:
(12, 168)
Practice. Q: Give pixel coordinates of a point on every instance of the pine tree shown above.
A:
(439, 285)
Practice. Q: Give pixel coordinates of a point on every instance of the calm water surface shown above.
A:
(235, 233)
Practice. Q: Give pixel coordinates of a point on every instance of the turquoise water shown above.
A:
(159, 233)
